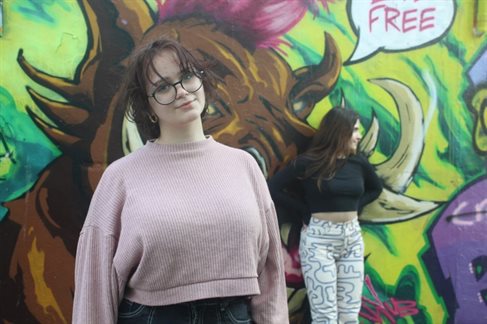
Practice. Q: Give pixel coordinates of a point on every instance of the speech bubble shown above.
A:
(397, 25)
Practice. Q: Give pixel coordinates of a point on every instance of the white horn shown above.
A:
(398, 169)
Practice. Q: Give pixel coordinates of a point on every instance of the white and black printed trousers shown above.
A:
(332, 262)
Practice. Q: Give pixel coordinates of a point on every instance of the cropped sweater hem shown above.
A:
(195, 291)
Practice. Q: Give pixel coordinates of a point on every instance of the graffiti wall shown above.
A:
(415, 71)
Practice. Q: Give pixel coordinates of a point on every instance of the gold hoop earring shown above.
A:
(153, 118)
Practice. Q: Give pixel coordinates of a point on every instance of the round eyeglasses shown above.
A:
(166, 93)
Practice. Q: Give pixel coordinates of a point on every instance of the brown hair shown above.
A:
(330, 143)
(133, 96)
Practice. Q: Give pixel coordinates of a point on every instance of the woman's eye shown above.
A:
(163, 88)
(188, 76)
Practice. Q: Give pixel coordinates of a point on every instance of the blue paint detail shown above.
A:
(40, 9)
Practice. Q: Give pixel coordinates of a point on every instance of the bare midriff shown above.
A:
(336, 217)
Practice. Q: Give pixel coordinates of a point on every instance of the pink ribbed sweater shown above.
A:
(180, 222)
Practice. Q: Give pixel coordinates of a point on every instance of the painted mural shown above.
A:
(415, 70)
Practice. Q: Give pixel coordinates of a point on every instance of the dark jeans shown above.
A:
(231, 310)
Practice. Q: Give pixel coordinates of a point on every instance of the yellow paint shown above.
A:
(57, 54)
(44, 294)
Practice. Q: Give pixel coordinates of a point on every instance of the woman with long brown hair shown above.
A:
(330, 183)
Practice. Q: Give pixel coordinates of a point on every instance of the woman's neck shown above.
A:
(181, 135)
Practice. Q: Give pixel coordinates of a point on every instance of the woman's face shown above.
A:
(356, 136)
(187, 106)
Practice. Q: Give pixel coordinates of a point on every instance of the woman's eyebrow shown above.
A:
(160, 81)
(168, 80)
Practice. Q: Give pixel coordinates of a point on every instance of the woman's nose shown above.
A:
(180, 91)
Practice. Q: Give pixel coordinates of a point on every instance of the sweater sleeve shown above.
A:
(96, 295)
(285, 187)
(98, 289)
(372, 184)
(270, 307)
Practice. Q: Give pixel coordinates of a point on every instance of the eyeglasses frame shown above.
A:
(199, 75)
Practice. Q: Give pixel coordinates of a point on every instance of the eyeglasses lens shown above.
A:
(166, 94)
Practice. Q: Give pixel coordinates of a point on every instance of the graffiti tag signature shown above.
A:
(375, 309)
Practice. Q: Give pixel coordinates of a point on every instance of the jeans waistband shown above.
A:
(320, 222)
(218, 301)
(336, 218)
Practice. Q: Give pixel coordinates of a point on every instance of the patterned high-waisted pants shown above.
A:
(333, 269)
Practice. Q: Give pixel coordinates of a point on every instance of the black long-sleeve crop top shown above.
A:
(354, 185)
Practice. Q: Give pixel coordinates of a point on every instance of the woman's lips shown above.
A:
(184, 105)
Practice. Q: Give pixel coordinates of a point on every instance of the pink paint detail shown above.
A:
(261, 22)
(385, 18)
(292, 265)
(374, 309)
(427, 18)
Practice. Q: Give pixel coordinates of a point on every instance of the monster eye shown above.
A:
(214, 111)
(302, 105)
(220, 109)
(479, 266)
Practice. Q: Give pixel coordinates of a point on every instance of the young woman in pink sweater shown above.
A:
(183, 230)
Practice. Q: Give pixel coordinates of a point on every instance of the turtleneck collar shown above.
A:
(201, 145)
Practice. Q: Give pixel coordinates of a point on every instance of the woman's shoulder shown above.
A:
(229, 149)
(123, 162)
(301, 162)
(362, 160)
(123, 165)
(359, 158)
(113, 175)
(294, 168)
